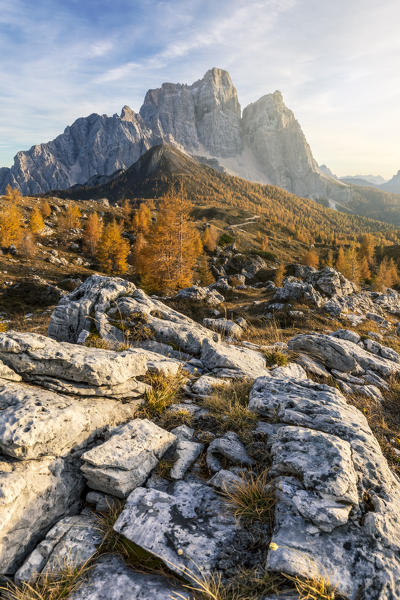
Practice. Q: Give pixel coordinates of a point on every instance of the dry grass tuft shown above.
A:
(252, 499)
(95, 341)
(208, 587)
(49, 586)
(173, 418)
(248, 584)
(276, 358)
(164, 391)
(314, 588)
(228, 406)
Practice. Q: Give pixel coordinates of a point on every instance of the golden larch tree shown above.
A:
(92, 233)
(141, 220)
(113, 249)
(11, 225)
(45, 209)
(365, 272)
(36, 223)
(13, 194)
(169, 258)
(367, 247)
(340, 261)
(279, 275)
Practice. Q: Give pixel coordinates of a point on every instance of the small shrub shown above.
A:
(228, 406)
(266, 254)
(314, 588)
(95, 341)
(276, 358)
(173, 418)
(48, 586)
(252, 499)
(225, 239)
(164, 390)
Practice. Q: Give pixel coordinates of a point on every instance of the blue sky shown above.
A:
(336, 63)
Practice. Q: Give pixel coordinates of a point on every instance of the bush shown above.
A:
(228, 406)
(163, 391)
(226, 239)
(276, 358)
(252, 499)
(270, 256)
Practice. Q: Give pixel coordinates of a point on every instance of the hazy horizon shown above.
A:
(335, 66)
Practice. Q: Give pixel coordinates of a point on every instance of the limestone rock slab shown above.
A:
(72, 541)
(36, 423)
(112, 579)
(187, 529)
(125, 460)
(34, 495)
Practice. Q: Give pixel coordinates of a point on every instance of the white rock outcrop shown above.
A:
(125, 460)
(338, 502)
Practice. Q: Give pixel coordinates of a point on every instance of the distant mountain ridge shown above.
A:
(264, 144)
(393, 185)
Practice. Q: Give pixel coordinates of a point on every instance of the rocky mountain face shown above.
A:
(203, 117)
(95, 145)
(266, 144)
(393, 185)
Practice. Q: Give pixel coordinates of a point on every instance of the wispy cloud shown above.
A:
(334, 62)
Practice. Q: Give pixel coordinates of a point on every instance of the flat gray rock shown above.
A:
(125, 461)
(34, 495)
(186, 452)
(43, 360)
(230, 448)
(187, 529)
(246, 363)
(338, 502)
(112, 579)
(72, 541)
(342, 355)
(36, 422)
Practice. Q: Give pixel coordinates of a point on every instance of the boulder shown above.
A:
(73, 369)
(327, 281)
(225, 327)
(125, 460)
(246, 264)
(241, 361)
(85, 306)
(342, 355)
(205, 385)
(201, 294)
(72, 541)
(122, 313)
(188, 528)
(294, 290)
(338, 503)
(36, 423)
(112, 579)
(34, 494)
(230, 448)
